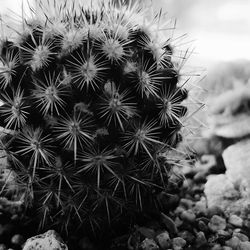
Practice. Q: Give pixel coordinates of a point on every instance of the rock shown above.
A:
(3, 247)
(200, 240)
(216, 247)
(234, 242)
(163, 240)
(237, 158)
(241, 236)
(202, 226)
(226, 248)
(17, 239)
(224, 234)
(187, 236)
(217, 223)
(188, 215)
(186, 203)
(231, 126)
(149, 244)
(47, 241)
(220, 191)
(235, 220)
(244, 245)
(178, 243)
(200, 207)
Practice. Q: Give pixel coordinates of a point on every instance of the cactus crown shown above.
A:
(95, 106)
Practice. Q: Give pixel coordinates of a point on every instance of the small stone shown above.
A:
(241, 236)
(220, 191)
(217, 223)
(216, 247)
(47, 241)
(163, 240)
(17, 239)
(244, 245)
(178, 243)
(235, 220)
(149, 244)
(187, 236)
(223, 233)
(188, 216)
(178, 222)
(179, 210)
(201, 207)
(202, 226)
(234, 242)
(200, 239)
(3, 247)
(186, 203)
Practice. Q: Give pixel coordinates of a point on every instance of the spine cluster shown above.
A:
(94, 105)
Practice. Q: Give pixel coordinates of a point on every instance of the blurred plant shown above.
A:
(95, 106)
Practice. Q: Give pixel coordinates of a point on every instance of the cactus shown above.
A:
(94, 104)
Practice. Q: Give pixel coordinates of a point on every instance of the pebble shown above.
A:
(244, 245)
(200, 239)
(3, 247)
(187, 236)
(178, 243)
(200, 207)
(17, 239)
(234, 242)
(235, 220)
(163, 239)
(48, 241)
(216, 247)
(202, 226)
(149, 244)
(188, 215)
(224, 234)
(241, 236)
(186, 203)
(217, 223)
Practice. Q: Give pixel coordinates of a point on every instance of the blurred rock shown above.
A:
(234, 242)
(178, 243)
(17, 239)
(217, 223)
(235, 220)
(47, 241)
(237, 160)
(149, 244)
(163, 239)
(3, 247)
(220, 191)
(188, 216)
(244, 245)
(231, 126)
(200, 239)
(241, 236)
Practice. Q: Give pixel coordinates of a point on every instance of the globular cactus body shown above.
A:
(94, 105)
